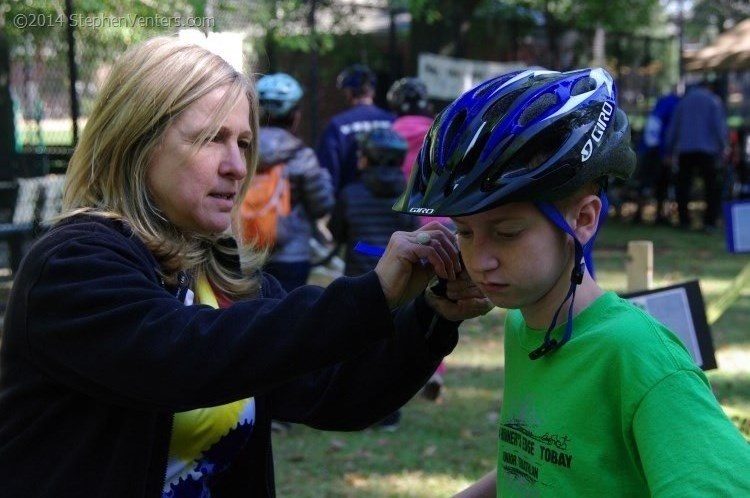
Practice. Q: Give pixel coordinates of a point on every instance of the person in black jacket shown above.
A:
(142, 357)
(363, 209)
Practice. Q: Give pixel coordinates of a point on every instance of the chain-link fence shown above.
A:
(56, 64)
(49, 88)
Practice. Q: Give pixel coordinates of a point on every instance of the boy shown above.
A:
(363, 210)
(599, 398)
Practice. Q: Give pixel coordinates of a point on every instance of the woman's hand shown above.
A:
(411, 260)
(462, 300)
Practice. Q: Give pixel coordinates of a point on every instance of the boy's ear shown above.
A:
(586, 214)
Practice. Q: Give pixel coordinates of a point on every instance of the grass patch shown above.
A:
(441, 447)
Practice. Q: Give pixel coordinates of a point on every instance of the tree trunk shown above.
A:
(552, 32)
(8, 155)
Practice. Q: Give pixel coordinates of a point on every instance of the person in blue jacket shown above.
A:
(654, 169)
(337, 148)
(699, 136)
(142, 357)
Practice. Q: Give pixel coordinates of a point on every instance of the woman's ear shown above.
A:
(585, 215)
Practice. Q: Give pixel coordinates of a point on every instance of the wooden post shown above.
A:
(640, 265)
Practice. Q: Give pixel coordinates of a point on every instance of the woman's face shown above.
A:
(196, 189)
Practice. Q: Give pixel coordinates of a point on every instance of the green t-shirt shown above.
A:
(620, 410)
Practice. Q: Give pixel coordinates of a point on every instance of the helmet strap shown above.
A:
(582, 259)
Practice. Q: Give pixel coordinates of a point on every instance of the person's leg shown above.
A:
(683, 186)
(647, 175)
(712, 182)
(661, 191)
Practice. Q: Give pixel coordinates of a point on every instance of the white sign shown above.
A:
(737, 218)
(227, 45)
(447, 77)
(680, 307)
(671, 308)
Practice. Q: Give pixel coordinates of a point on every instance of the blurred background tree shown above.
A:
(314, 39)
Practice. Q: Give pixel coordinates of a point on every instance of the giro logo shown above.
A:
(598, 132)
(421, 210)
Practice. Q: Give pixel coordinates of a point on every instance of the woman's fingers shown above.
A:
(412, 257)
(443, 242)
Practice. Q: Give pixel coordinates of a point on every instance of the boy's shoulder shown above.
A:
(617, 324)
(614, 312)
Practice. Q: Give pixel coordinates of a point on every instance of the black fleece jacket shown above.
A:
(98, 355)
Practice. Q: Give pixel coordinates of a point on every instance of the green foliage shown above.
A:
(624, 16)
(710, 17)
(423, 10)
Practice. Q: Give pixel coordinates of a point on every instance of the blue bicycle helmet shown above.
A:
(531, 135)
(408, 96)
(278, 94)
(356, 78)
(383, 147)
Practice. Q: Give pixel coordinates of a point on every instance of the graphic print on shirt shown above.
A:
(205, 442)
(363, 126)
(528, 456)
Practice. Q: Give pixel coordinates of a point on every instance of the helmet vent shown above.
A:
(582, 86)
(498, 109)
(536, 152)
(468, 162)
(487, 88)
(455, 125)
(537, 108)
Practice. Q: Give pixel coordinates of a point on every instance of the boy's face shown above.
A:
(518, 258)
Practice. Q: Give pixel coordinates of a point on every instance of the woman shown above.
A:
(118, 375)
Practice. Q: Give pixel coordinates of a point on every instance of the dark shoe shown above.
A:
(390, 423)
(432, 388)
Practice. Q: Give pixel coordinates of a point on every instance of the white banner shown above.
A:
(447, 77)
(226, 44)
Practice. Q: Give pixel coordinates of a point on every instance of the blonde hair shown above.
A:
(148, 88)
